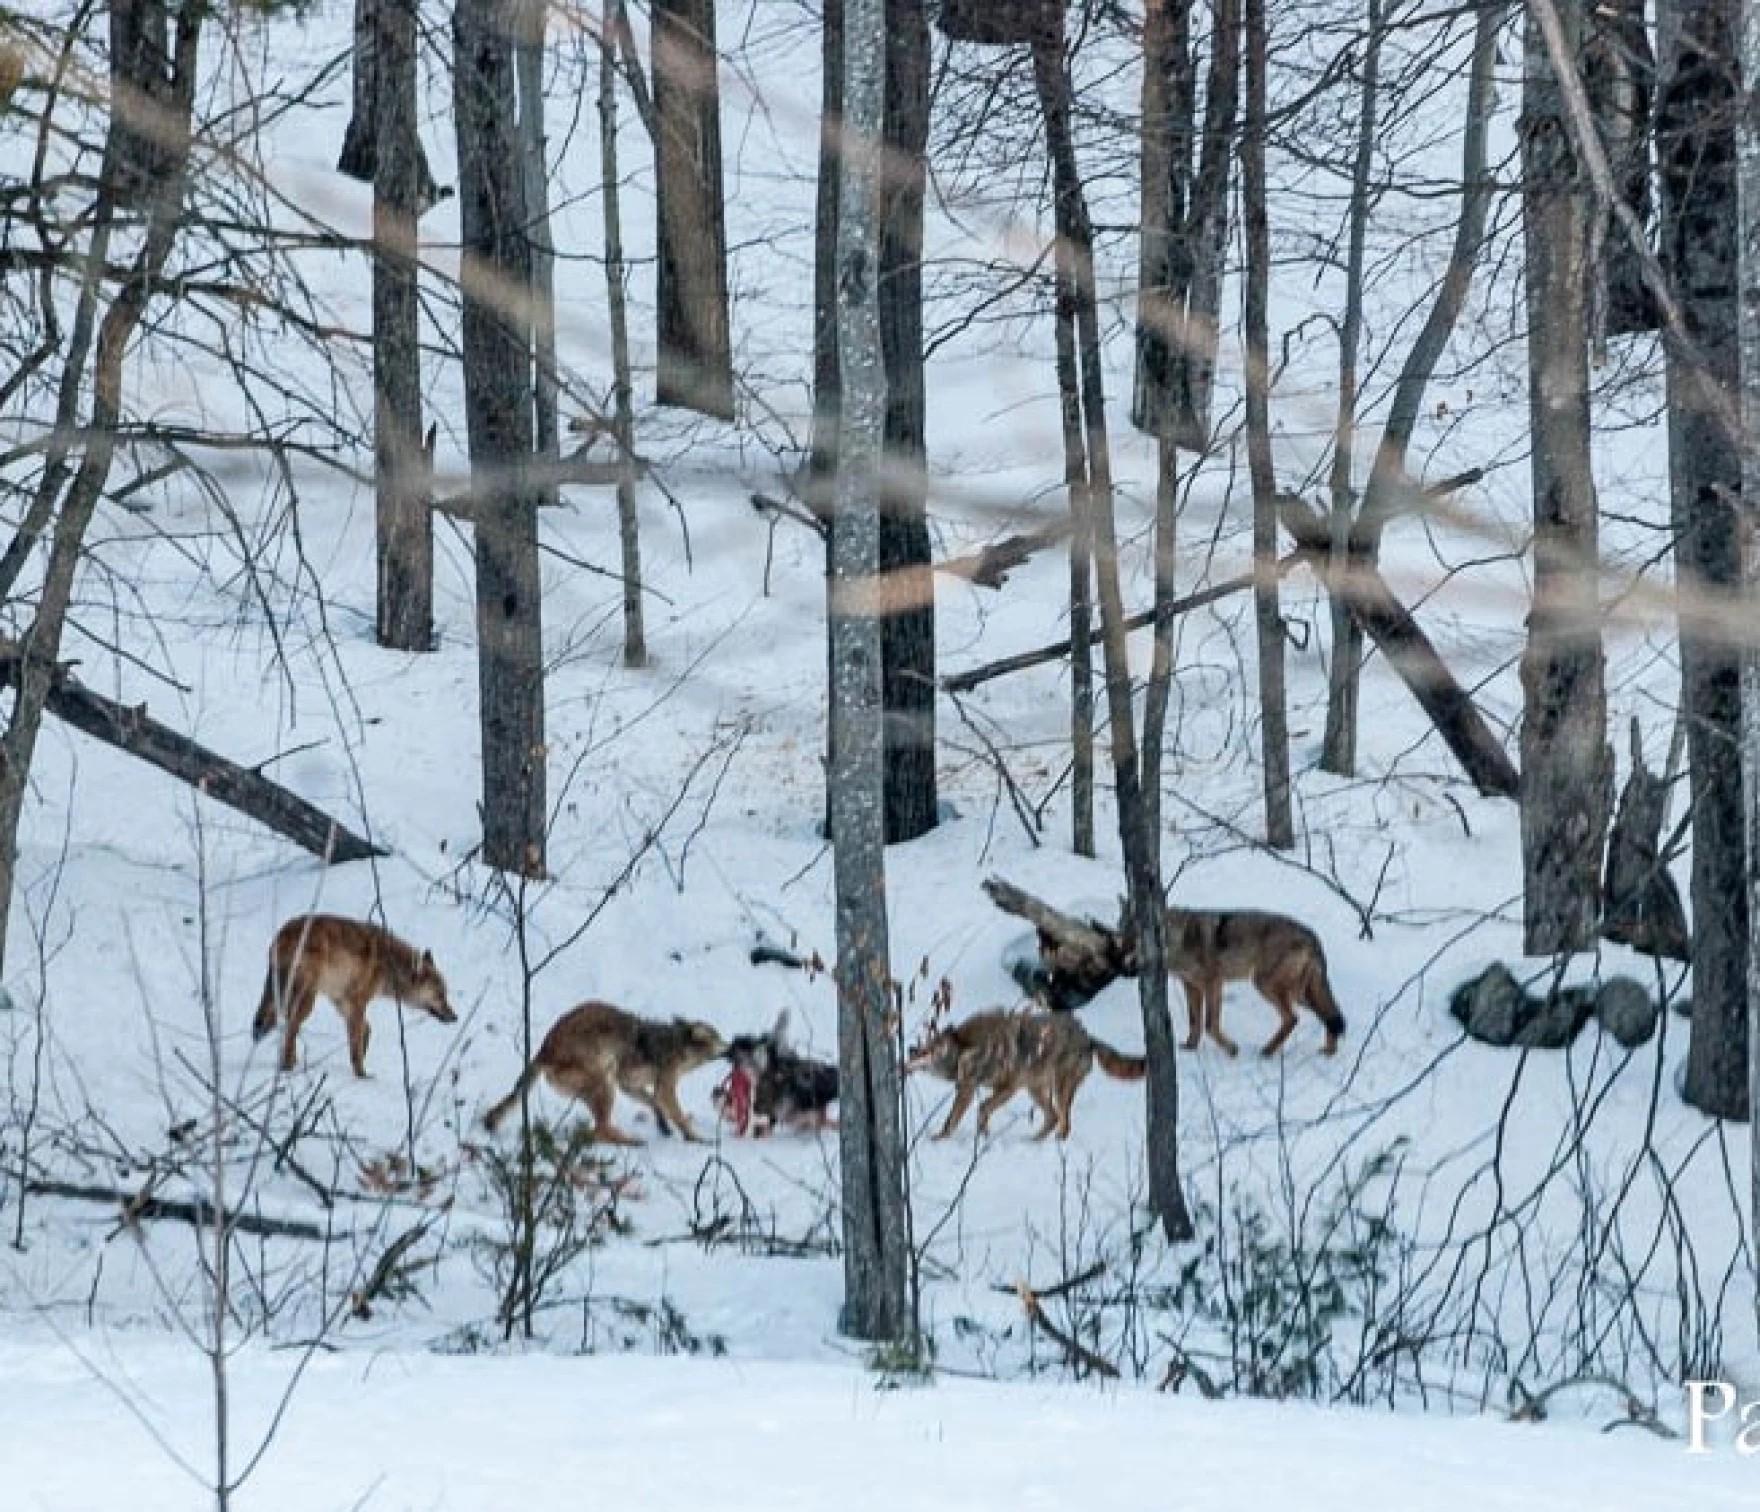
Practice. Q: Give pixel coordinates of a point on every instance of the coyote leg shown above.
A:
(962, 1099)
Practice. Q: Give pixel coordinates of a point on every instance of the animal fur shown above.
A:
(1282, 957)
(351, 963)
(595, 1051)
(1048, 1055)
(786, 1088)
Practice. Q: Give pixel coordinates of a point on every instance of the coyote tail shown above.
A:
(493, 1117)
(1115, 1063)
(268, 1008)
(1321, 998)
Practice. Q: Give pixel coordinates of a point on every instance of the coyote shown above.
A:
(772, 1085)
(1282, 958)
(595, 1050)
(1049, 1054)
(351, 963)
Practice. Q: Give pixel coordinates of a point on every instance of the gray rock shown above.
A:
(1491, 1007)
(1626, 1011)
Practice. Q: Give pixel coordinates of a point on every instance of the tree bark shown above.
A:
(1748, 272)
(360, 138)
(146, 159)
(1267, 618)
(528, 68)
(401, 475)
(496, 283)
(908, 630)
(1697, 116)
(1567, 769)
(635, 643)
(871, 1135)
(695, 356)
(1141, 847)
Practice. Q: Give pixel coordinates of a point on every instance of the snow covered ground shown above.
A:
(398, 1431)
(687, 800)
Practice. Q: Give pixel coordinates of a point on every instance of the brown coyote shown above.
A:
(595, 1050)
(1282, 958)
(1049, 1054)
(351, 963)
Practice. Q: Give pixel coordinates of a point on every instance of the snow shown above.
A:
(398, 1431)
(128, 900)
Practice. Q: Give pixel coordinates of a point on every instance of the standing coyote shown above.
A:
(594, 1051)
(1049, 1054)
(350, 963)
(1282, 958)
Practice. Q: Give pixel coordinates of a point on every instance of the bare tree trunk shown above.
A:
(908, 630)
(1748, 303)
(1387, 488)
(1267, 619)
(1141, 847)
(153, 68)
(695, 340)
(401, 475)
(360, 138)
(1696, 136)
(871, 1138)
(1081, 558)
(1567, 768)
(635, 645)
(1338, 747)
(528, 68)
(496, 281)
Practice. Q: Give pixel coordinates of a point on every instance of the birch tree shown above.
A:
(871, 1136)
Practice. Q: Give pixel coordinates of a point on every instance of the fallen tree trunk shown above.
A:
(1408, 651)
(990, 567)
(972, 677)
(135, 731)
(134, 1207)
(1077, 957)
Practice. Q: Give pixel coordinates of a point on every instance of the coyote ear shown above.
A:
(428, 959)
(779, 1032)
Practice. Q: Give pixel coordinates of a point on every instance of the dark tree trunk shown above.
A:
(401, 474)
(695, 357)
(496, 282)
(528, 70)
(360, 138)
(1567, 769)
(1619, 73)
(1267, 619)
(1141, 847)
(1696, 130)
(1165, 256)
(908, 630)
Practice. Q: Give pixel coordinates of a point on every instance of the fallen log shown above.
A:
(135, 1207)
(1078, 958)
(135, 731)
(1364, 592)
(972, 677)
